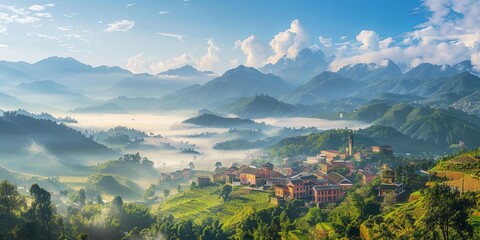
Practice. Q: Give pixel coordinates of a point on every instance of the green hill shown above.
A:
(442, 127)
(210, 120)
(258, 107)
(202, 203)
(114, 185)
(336, 139)
(468, 161)
(369, 112)
(18, 132)
(128, 169)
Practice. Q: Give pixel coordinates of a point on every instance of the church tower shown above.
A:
(350, 144)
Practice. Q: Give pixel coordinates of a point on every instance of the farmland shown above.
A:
(201, 203)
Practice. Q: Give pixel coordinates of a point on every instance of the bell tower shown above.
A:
(350, 144)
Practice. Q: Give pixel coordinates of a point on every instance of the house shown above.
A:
(386, 188)
(327, 193)
(258, 177)
(203, 181)
(388, 183)
(296, 188)
(328, 166)
(338, 179)
(249, 176)
(331, 155)
(384, 149)
(319, 158)
(367, 176)
(217, 178)
(276, 181)
(281, 191)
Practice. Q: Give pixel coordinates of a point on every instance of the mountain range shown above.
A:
(66, 83)
(307, 64)
(235, 83)
(441, 127)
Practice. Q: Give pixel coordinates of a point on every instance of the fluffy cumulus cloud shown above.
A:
(141, 63)
(369, 40)
(287, 43)
(120, 26)
(450, 35)
(256, 51)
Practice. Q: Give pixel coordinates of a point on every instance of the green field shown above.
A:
(201, 203)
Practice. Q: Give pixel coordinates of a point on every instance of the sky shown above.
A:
(156, 35)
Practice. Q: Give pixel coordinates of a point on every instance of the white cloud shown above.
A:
(36, 7)
(172, 35)
(327, 42)
(209, 60)
(44, 15)
(289, 42)
(64, 28)
(256, 51)
(3, 29)
(140, 63)
(163, 12)
(385, 43)
(451, 34)
(369, 39)
(120, 26)
(3, 45)
(130, 5)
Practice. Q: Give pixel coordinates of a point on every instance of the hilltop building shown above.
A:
(388, 183)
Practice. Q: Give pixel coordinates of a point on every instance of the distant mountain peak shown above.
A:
(185, 71)
(386, 70)
(307, 64)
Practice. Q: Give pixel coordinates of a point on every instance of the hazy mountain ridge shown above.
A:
(234, 83)
(369, 72)
(325, 86)
(307, 64)
(56, 138)
(443, 127)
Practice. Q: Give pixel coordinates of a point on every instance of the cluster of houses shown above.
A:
(321, 185)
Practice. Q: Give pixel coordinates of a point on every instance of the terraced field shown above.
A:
(74, 182)
(201, 203)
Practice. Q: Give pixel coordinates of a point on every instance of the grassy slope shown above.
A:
(201, 203)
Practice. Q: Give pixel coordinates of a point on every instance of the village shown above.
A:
(323, 178)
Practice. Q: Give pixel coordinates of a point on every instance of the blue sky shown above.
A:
(152, 36)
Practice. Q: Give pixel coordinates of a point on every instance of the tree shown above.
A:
(179, 188)
(193, 185)
(448, 210)
(225, 192)
(42, 205)
(117, 202)
(98, 200)
(10, 199)
(191, 165)
(82, 196)
(150, 192)
(218, 165)
(388, 200)
(166, 192)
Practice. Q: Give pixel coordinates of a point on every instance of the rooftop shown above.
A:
(335, 177)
